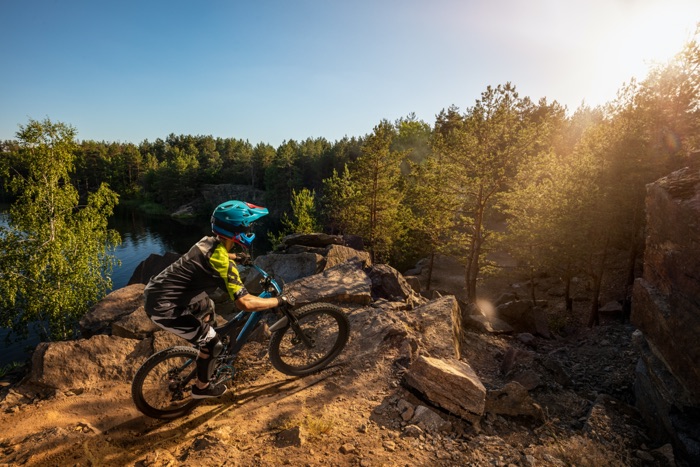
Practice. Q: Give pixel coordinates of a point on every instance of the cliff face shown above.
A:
(666, 311)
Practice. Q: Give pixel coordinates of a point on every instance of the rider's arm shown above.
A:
(250, 302)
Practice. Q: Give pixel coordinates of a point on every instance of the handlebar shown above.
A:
(269, 285)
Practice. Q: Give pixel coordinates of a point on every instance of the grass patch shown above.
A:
(9, 368)
(314, 425)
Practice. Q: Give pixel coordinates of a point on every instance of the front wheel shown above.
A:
(318, 337)
(162, 386)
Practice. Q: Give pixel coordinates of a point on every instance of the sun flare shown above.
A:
(634, 37)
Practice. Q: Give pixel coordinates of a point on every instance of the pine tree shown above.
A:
(481, 152)
(377, 176)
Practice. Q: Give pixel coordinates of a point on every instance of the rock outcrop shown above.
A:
(87, 363)
(117, 304)
(450, 384)
(347, 282)
(151, 266)
(666, 310)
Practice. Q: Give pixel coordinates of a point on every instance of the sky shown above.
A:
(275, 70)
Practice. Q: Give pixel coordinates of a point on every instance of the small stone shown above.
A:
(347, 448)
(390, 446)
(644, 456)
(413, 431)
(667, 451)
(291, 437)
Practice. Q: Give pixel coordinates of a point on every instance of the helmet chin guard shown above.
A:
(245, 240)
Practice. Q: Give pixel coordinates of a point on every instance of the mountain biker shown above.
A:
(177, 299)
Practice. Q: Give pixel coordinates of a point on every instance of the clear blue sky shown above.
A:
(271, 70)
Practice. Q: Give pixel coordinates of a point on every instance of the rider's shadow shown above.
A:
(267, 393)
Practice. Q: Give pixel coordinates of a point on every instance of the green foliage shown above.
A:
(551, 198)
(413, 138)
(481, 152)
(9, 368)
(304, 217)
(55, 256)
(340, 202)
(376, 179)
(434, 210)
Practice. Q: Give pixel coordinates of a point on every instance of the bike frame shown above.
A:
(237, 342)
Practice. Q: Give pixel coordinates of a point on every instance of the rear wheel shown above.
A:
(162, 386)
(322, 332)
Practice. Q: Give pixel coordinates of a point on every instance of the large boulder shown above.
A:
(439, 327)
(136, 325)
(87, 363)
(667, 297)
(388, 283)
(666, 309)
(336, 254)
(346, 282)
(523, 316)
(317, 240)
(450, 384)
(286, 268)
(115, 305)
(152, 266)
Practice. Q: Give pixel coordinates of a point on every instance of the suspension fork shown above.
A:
(293, 322)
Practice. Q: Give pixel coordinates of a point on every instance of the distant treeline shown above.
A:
(565, 190)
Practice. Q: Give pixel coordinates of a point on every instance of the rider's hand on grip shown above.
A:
(243, 258)
(286, 300)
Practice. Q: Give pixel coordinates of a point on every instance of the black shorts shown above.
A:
(186, 322)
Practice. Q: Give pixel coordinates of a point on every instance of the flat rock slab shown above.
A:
(450, 384)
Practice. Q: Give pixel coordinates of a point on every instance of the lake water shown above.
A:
(141, 235)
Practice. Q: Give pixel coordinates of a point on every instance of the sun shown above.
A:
(636, 35)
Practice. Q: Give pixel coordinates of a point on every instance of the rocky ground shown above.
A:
(360, 411)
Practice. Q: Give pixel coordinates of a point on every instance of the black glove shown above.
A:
(286, 300)
(243, 258)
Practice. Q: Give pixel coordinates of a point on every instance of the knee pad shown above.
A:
(214, 347)
(208, 314)
(205, 365)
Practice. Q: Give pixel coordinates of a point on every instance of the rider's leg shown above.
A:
(209, 349)
(186, 324)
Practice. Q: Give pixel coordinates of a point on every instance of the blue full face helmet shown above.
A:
(234, 219)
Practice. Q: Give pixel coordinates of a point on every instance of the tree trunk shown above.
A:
(629, 284)
(430, 269)
(594, 318)
(567, 295)
(472, 269)
(567, 289)
(631, 263)
(532, 287)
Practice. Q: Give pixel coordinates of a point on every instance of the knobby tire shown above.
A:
(324, 324)
(161, 388)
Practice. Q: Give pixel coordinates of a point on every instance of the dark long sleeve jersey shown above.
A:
(204, 268)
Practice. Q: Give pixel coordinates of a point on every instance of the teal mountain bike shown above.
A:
(303, 341)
